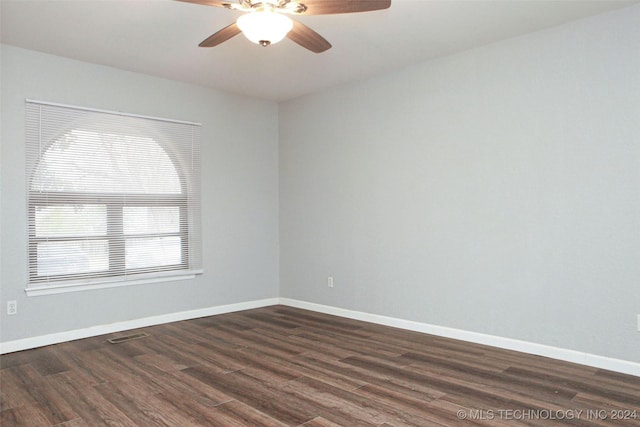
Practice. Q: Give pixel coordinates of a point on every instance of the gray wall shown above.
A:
(495, 191)
(240, 193)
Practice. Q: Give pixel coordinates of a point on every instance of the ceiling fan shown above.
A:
(265, 21)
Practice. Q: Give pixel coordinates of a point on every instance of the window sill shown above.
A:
(89, 285)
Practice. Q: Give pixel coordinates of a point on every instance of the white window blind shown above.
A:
(111, 196)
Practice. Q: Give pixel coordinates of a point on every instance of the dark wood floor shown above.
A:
(280, 366)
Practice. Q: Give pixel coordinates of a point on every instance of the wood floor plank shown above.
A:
(180, 353)
(461, 371)
(77, 422)
(13, 390)
(350, 343)
(591, 385)
(119, 371)
(365, 376)
(31, 415)
(596, 405)
(292, 368)
(348, 408)
(540, 363)
(320, 422)
(186, 411)
(473, 361)
(321, 348)
(179, 384)
(49, 364)
(83, 367)
(281, 366)
(236, 358)
(18, 358)
(618, 377)
(462, 392)
(137, 409)
(278, 346)
(187, 333)
(266, 319)
(237, 414)
(406, 403)
(88, 403)
(44, 397)
(268, 368)
(329, 323)
(283, 407)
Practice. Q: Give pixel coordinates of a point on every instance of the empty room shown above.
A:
(319, 213)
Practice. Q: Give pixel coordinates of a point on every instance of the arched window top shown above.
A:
(84, 161)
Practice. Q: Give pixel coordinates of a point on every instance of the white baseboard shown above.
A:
(28, 343)
(601, 362)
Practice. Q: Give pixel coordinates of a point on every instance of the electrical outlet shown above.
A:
(12, 307)
(330, 281)
(638, 322)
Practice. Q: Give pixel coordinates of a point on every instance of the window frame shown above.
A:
(115, 236)
(117, 274)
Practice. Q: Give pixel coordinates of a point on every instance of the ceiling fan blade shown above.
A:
(308, 38)
(327, 7)
(216, 3)
(221, 36)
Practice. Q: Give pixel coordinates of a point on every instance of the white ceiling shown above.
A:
(160, 37)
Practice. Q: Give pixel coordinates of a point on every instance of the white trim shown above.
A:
(593, 360)
(92, 331)
(117, 113)
(108, 282)
(601, 362)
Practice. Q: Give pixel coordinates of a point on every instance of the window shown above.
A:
(111, 197)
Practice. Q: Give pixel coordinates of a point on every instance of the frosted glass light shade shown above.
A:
(264, 27)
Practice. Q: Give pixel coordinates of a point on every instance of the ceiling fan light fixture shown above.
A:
(264, 27)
